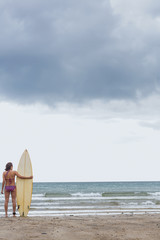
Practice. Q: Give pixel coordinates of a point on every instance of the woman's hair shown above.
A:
(8, 166)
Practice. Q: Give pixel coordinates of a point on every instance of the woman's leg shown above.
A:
(6, 202)
(13, 193)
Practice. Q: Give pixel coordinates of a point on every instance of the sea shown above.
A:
(92, 198)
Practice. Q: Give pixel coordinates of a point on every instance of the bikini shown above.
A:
(9, 188)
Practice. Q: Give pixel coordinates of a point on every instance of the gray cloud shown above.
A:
(155, 125)
(78, 50)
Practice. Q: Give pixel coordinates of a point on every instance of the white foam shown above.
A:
(155, 193)
(148, 203)
(79, 194)
(93, 212)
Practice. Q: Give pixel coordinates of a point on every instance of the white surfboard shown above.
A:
(24, 186)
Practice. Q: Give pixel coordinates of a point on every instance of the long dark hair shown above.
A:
(8, 166)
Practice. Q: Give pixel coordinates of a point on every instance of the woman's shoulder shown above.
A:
(4, 173)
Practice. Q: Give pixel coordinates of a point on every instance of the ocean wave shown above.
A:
(94, 195)
(37, 195)
(57, 208)
(135, 210)
(154, 193)
(79, 194)
(121, 194)
(129, 203)
(53, 194)
(113, 204)
(90, 199)
(148, 203)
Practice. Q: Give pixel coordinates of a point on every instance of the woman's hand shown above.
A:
(1, 191)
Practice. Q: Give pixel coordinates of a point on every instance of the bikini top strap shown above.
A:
(7, 174)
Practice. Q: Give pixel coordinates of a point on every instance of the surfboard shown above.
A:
(24, 186)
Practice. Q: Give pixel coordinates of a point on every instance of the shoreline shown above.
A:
(113, 212)
(115, 227)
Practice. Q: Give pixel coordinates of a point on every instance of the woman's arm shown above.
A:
(22, 177)
(3, 183)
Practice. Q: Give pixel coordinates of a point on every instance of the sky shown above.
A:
(80, 88)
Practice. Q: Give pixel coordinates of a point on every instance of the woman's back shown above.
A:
(10, 178)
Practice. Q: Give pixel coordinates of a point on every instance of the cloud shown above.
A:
(76, 51)
(155, 125)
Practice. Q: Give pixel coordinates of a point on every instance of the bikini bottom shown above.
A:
(10, 188)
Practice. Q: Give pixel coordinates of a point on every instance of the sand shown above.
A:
(117, 227)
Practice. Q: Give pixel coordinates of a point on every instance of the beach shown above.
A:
(115, 227)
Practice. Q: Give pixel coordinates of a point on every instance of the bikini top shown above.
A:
(10, 179)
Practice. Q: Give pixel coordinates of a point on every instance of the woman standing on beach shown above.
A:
(10, 187)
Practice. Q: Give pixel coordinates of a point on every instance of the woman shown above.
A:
(10, 187)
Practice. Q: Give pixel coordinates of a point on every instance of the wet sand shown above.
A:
(115, 227)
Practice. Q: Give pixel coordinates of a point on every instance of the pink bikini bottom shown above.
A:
(10, 188)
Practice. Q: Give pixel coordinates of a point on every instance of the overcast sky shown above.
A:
(80, 88)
